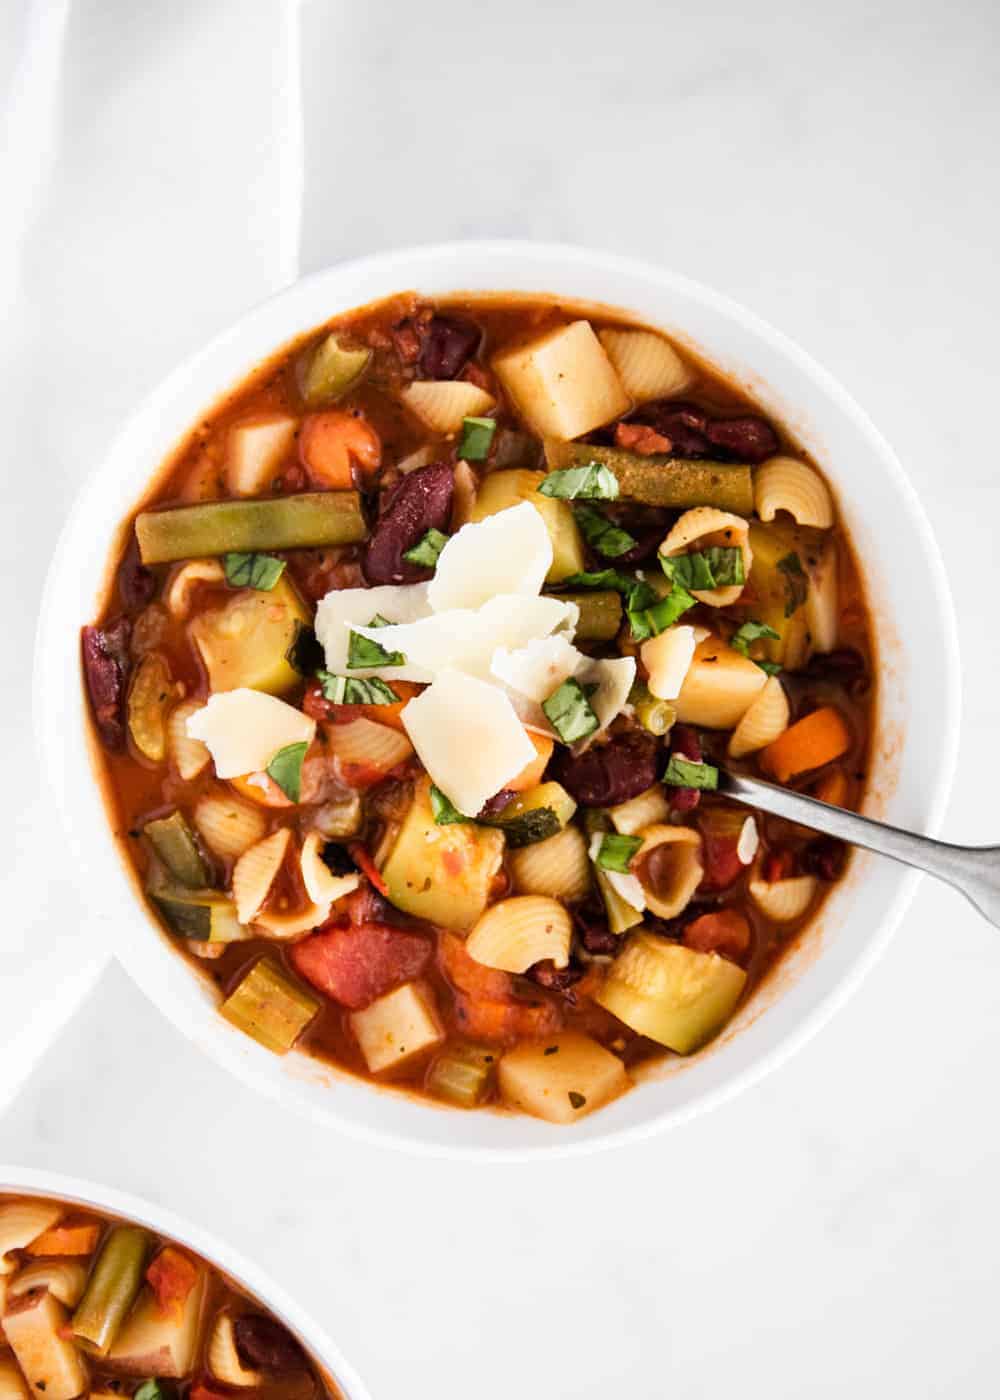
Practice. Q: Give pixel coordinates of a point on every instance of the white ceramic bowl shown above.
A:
(26, 1181)
(914, 747)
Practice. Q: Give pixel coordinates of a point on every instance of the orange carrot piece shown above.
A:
(80, 1238)
(834, 788)
(171, 1276)
(262, 789)
(531, 774)
(809, 743)
(331, 444)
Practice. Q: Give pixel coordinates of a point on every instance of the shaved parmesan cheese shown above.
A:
(509, 552)
(534, 671)
(667, 659)
(468, 737)
(748, 843)
(343, 609)
(613, 678)
(244, 729)
(629, 887)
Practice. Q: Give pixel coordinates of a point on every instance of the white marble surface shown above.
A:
(835, 1229)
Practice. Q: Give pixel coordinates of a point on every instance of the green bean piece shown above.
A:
(270, 1007)
(673, 482)
(307, 521)
(656, 716)
(174, 842)
(600, 615)
(112, 1289)
(332, 369)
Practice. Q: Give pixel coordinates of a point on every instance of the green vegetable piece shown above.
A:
(656, 716)
(616, 852)
(331, 370)
(268, 1006)
(425, 552)
(445, 811)
(477, 436)
(205, 915)
(672, 482)
(720, 566)
(621, 915)
(569, 712)
(637, 593)
(602, 534)
(590, 482)
(305, 655)
(253, 570)
(363, 652)
(796, 582)
(111, 1289)
(600, 615)
(752, 632)
(308, 520)
(535, 815)
(463, 1074)
(174, 842)
(681, 772)
(154, 1390)
(651, 621)
(353, 690)
(286, 769)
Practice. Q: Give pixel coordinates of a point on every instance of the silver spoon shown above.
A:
(975, 870)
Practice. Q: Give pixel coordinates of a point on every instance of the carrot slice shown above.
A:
(834, 788)
(531, 774)
(331, 444)
(809, 743)
(67, 1239)
(171, 1276)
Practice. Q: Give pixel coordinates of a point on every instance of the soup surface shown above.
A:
(414, 680)
(93, 1305)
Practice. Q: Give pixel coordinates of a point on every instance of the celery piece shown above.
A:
(662, 481)
(112, 1289)
(462, 1074)
(330, 370)
(306, 521)
(173, 841)
(205, 915)
(600, 615)
(271, 1008)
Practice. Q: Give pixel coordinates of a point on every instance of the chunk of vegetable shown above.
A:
(174, 842)
(35, 1328)
(254, 449)
(171, 1276)
(535, 815)
(462, 1074)
(503, 489)
(205, 915)
(673, 482)
(245, 643)
(397, 1028)
(156, 1343)
(309, 520)
(79, 1237)
(12, 1382)
(600, 615)
(330, 370)
(776, 602)
(270, 1007)
(149, 698)
(111, 1289)
(818, 738)
(563, 383)
(561, 1078)
(20, 1223)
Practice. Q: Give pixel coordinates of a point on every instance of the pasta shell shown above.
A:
(783, 900)
(441, 404)
(20, 1223)
(227, 825)
(667, 657)
(322, 886)
(369, 745)
(516, 933)
(647, 364)
(822, 605)
(720, 686)
(189, 756)
(64, 1278)
(223, 1358)
(558, 867)
(649, 808)
(12, 1384)
(784, 483)
(699, 529)
(677, 883)
(282, 925)
(255, 872)
(766, 718)
(184, 580)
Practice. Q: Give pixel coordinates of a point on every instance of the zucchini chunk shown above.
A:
(535, 815)
(269, 1007)
(174, 843)
(246, 642)
(205, 915)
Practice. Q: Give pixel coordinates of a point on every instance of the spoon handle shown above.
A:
(975, 870)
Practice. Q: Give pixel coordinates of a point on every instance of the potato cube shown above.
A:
(255, 448)
(561, 1078)
(35, 1327)
(153, 1343)
(397, 1027)
(564, 384)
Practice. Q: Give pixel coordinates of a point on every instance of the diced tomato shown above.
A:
(640, 438)
(356, 965)
(778, 865)
(724, 931)
(484, 1019)
(720, 833)
(367, 866)
(171, 1277)
(201, 1390)
(67, 1238)
(316, 705)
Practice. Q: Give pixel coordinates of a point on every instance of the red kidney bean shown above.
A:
(824, 857)
(495, 804)
(136, 583)
(421, 502)
(263, 1343)
(682, 422)
(105, 668)
(684, 742)
(746, 439)
(607, 774)
(845, 665)
(448, 346)
(592, 929)
(556, 979)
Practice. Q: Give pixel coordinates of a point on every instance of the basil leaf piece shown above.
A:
(770, 668)
(355, 690)
(752, 631)
(286, 769)
(636, 592)
(602, 534)
(615, 852)
(477, 436)
(260, 571)
(425, 552)
(569, 712)
(651, 621)
(592, 482)
(363, 651)
(721, 566)
(305, 654)
(681, 772)
(154, 1390)
(445, 811)
(796, 582)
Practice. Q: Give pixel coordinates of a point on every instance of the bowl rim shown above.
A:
(34, 1181)
(407, 263)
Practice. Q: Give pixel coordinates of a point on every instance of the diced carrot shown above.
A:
(809, 743)
(484, 1019)
(834, 788)
(171, 1277)
(531, 774)
(723, 931)
(79, 1238)
(331, 444)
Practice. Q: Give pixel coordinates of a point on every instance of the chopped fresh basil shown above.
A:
(718, 567)
(286, 769)
(426, 551)
(445, 811)
(569, 712)
(636, 592)
(477, 435)
(353, 690)
(577, 1099)
(602, 534)
(260, 571)
(593, 482)
(752, 632)
(615, 852)
(153, 1390)
(363, 651)
(770, 668)
(796, 582)
(681, 772)
(305, 654)
(651, 621)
